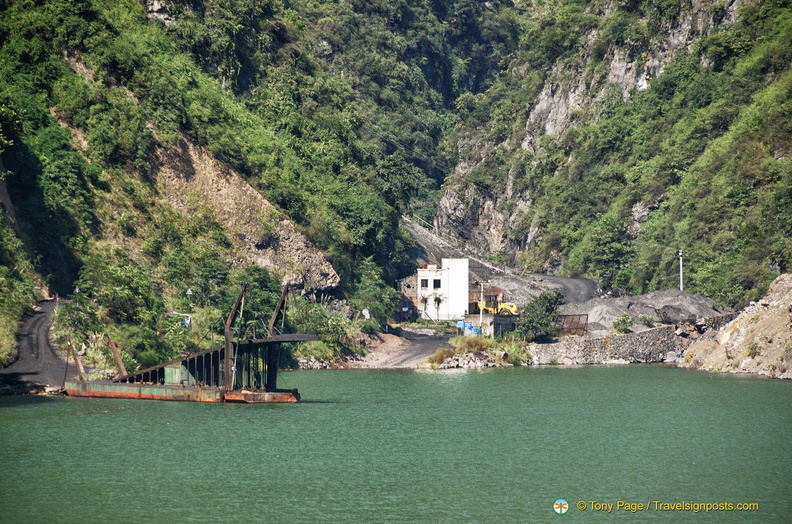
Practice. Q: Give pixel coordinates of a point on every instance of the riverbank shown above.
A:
(404, 347)
(757, 341)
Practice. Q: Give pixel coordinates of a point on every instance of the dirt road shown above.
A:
(37, 363)
(406, 350)
(517, 288)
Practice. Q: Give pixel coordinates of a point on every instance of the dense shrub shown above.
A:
(538, 319)
(623, 323)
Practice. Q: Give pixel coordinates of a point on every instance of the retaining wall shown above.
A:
(716, 322)
(653, 345)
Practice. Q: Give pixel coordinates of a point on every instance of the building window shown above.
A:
(424, 282)
(436, 283)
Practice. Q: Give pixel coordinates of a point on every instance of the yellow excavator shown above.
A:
(491, 305)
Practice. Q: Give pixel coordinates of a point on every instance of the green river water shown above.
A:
(497, 445)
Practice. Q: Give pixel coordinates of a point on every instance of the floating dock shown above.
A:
(108, 389)
(244, 371)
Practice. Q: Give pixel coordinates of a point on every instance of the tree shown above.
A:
(623, 323)
(538, 319)
(610, 249)
(397, 180)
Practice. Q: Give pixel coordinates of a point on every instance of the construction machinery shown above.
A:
(491, 305)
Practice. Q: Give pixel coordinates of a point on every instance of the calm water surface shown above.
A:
(403, 446)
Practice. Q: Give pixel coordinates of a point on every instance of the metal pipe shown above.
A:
(117, 356)
(272, 370)
(681, 287)
(228, 378)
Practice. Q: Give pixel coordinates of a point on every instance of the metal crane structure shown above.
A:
(237, 371)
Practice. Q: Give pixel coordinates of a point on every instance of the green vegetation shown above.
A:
(514, 349)
(334, 111)
(623, 323)
(338, 334)
(17, 289)
(538, 319)
(346, 115)
(705, 148)
(440, 356)
(646, 319)
(474, 344)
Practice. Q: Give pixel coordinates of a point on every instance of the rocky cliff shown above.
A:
(758, 341)
(260, 233)
(498, 218)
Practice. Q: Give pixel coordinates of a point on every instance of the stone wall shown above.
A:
(716, 322)
(654, 345)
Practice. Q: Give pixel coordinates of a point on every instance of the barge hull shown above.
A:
(255, 397)
(106, 389)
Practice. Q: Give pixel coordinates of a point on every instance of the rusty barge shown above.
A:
(243, 371)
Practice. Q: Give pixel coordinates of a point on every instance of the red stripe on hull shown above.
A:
(155, 392)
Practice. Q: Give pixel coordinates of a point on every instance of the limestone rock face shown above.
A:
(758, 341)
(497, 219)
(159, 11)
(260, 233)
(475, 219)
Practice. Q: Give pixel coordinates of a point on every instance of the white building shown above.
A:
(442, 292)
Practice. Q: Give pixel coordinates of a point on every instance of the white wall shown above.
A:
(452, 291)
(457, 287)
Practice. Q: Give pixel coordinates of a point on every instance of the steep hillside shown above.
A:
(122, 148)
(623, 132)
(259, 233)
(589, 138)
(18, 283)
(334, 112)
(759, 340)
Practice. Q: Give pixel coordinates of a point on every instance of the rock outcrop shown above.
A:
(260, 233)
(498, 219)
(667, 307)
(758, 341)
(478, 359)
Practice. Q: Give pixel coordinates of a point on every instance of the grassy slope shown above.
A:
(708, 143)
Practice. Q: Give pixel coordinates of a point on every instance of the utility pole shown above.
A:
(681, 287)
(481, 304)
(481, 307)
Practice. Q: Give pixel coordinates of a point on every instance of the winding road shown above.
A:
(37, 363)
(408, 349)
(518, 288)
